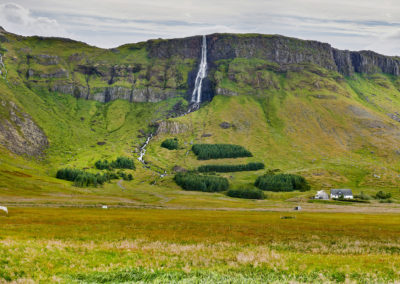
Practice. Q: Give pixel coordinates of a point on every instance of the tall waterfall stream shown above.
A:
(194, 103)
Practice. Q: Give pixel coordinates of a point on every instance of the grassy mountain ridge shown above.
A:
(335, 129)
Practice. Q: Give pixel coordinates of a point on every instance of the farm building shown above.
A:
(345, 193)
(321, 195)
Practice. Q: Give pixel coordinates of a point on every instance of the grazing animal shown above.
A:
(3, 208)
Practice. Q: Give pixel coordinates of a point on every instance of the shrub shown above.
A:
(123, 163)
(190, 181)
(119, 163)
(382, 195)
(363, 196)
(125, 176)
(251, 193)
(219, 151)
(82, 178)
(102, 165)
(282, 182)
(170, 144)
(231, 168)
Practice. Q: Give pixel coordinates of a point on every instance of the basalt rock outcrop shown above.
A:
(20, 134)
(159, 69)
(279, 49)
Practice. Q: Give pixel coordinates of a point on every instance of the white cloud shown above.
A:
(20, 20)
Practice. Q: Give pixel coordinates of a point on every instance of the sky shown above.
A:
(345, 24)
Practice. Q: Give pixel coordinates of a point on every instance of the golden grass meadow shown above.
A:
(86, 245)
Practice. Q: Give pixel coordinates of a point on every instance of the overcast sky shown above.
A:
(345, 24)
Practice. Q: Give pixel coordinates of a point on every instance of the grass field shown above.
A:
(189, 246)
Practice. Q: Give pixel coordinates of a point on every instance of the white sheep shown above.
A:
(3, 208)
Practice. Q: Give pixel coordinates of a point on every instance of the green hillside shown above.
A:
(67, 104)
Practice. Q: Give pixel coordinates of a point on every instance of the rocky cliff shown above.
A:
(19, 133)
(279, 49)
(156, 70)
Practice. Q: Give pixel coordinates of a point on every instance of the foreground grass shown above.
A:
(120, 245)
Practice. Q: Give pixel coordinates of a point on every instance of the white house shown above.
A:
(345, 193)
(321, 195)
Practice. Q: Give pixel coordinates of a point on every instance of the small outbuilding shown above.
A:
(344, 193)
(321, 195)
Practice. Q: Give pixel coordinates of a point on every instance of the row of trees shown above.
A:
(219, 151)
(119, 163)
(82, 178)
(231, 168)
(248, 193)
(171, 144)
(282, 182)
(191, 181)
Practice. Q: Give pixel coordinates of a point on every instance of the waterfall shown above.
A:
(143, 149)
(201, 74)
(195, 101)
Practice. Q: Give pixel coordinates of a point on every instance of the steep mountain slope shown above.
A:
(300, 106)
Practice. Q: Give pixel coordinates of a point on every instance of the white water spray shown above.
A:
(143, 149)
(201, 74)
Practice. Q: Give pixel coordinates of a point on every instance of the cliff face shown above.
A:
(19, 133)
(156, 70)
(279, 49)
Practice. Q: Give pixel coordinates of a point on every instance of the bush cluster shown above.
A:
(219, 151)
(119, 163)
(191, 181)
(125, 176)
(282, 182)
(382, 195)
(231, 168)
(363, 196)
(251, 193)
(170, 144)
(82, 178)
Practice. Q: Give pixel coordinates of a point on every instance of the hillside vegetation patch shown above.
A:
(119, 163)
(219, 151)
(196, 182)
(282, 182)
(231, 168)
(247, 193)
(170, 144)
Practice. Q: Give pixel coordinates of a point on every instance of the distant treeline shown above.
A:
(219, 151)
(171, 144)
(84, 179)
(119, 163)
(231, 168)
(250, 193)
(282, 182)
(191, 181)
